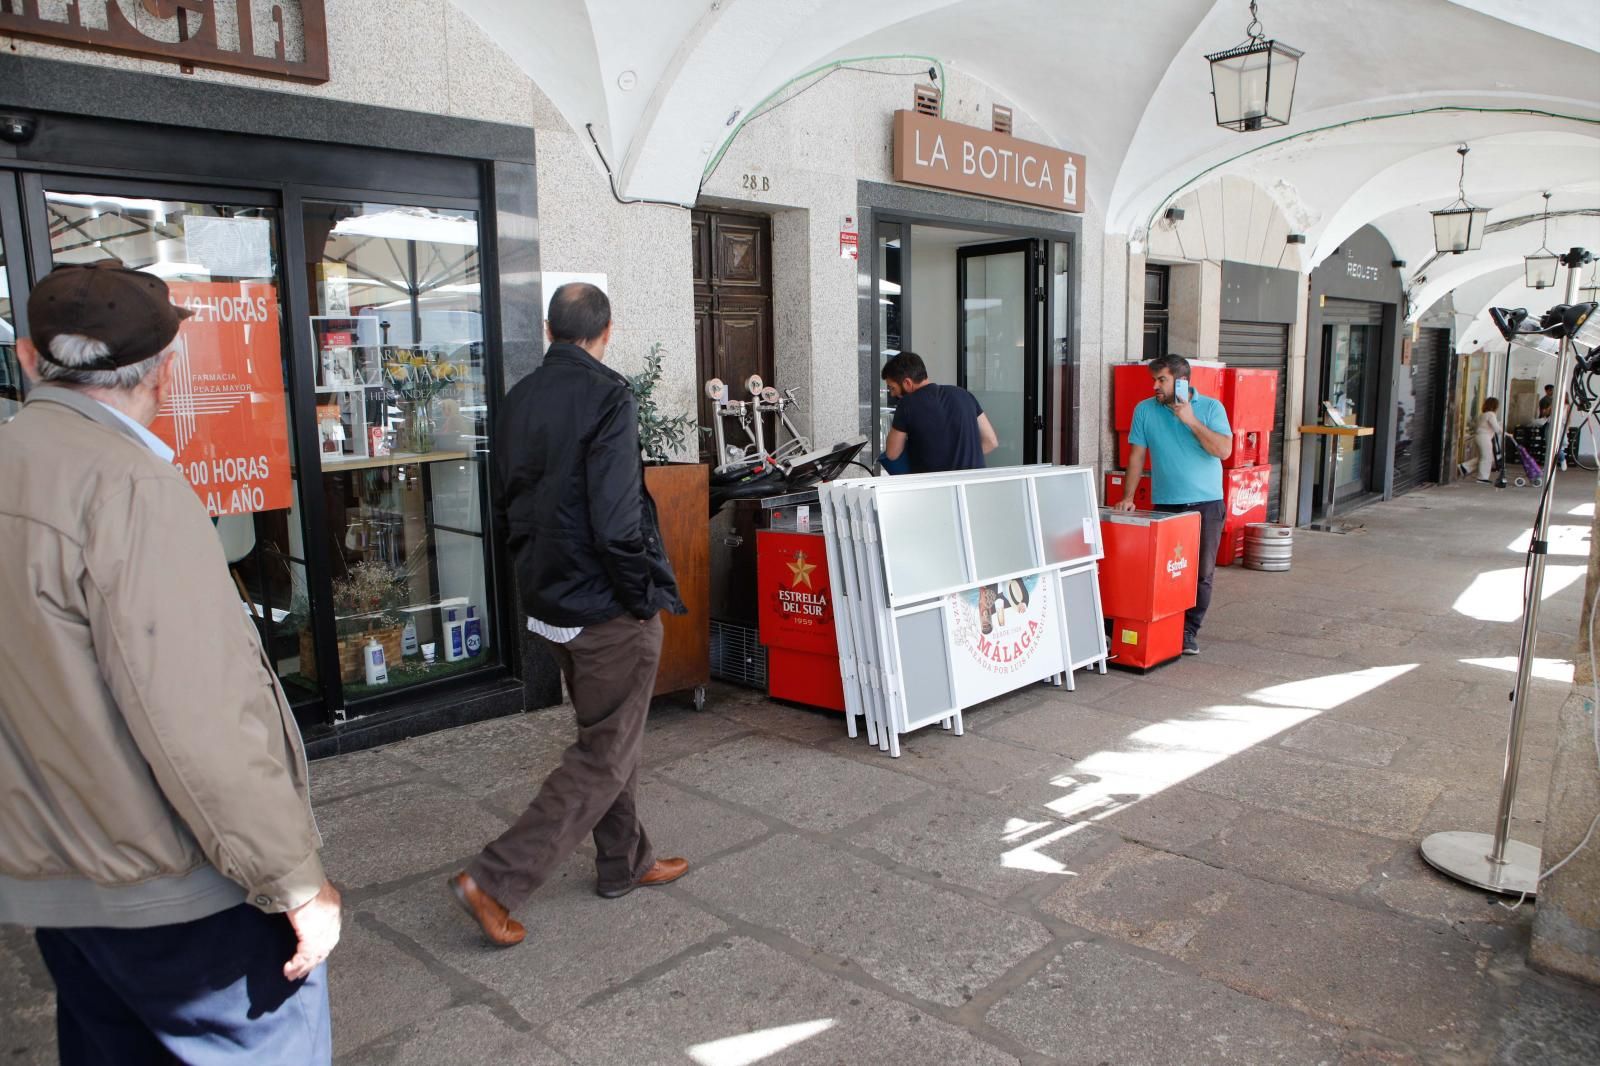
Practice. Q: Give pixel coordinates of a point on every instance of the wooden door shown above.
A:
(732, 304)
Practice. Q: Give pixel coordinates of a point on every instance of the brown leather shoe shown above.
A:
(495, 921)
(664, 872)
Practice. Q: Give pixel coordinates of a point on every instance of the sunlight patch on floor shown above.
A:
(1167, 753)
(1583, 510)
(1564, 540)
(1333, 690)
(1027, 857)
(747, 1048)
(1496, 595)
(1544, 669)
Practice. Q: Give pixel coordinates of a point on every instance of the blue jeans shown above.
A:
(206, 992)
(1212, 516)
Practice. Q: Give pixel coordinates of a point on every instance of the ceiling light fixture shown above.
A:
(1459, 227)
(1539, 269)
(1252, 84)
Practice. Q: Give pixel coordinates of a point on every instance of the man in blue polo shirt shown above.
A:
(1187, 436)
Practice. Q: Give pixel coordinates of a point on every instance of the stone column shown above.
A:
(1566, 927)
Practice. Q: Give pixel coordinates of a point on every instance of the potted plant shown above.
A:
(367, 604)
(682, 494)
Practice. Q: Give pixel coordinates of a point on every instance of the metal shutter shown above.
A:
(1264, 345)
(1429, 368)
(1351, 313)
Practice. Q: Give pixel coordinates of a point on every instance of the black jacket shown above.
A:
(571, 501)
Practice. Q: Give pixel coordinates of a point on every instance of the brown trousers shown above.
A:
(610, 670)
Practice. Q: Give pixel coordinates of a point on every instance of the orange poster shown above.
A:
(225, 414)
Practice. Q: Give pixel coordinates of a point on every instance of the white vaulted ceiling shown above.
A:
(1127, 85)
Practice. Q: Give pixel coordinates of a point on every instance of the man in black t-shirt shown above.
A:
(937, 427)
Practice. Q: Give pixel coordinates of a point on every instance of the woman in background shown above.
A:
(1489, 434)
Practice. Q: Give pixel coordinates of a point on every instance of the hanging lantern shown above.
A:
(1540, 267)
(1459, 227)
(1252, 84)
(1590, 291)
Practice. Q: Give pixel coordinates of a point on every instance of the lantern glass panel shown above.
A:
(1253, 85)
(1459, 229)
(1540, 271)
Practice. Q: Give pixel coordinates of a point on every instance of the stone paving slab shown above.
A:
(463, 1034)
(493, 755)
(1095, 1004)
(1342, 741)
(27, 1002)
(792, 782)
(970, 763)
(438, 824)
(990, 846)
(364, 1010)
(1343, 964)
(926, 942)
(1291, 851)
(1375, 801)
(578, 944)
(744, 1002)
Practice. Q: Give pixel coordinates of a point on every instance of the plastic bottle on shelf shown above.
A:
(377, 668)
(474, 631)
(455, 637)
(408, 638)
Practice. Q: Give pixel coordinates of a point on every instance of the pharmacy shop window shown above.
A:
(396, 329)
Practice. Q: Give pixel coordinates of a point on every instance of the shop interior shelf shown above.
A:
(362, 462)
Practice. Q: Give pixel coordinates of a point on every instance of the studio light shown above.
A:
(1493, 860)
(1252, 84)
(1540, 267)
(1459, 227)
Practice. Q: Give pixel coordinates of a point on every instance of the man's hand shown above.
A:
(1125, 505)
(316, 923)
(1185, 413)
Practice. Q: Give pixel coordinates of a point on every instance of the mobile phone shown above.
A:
(1180, 390)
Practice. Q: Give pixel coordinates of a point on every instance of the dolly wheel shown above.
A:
(700, 697)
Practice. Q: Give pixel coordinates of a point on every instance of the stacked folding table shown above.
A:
(952, 589)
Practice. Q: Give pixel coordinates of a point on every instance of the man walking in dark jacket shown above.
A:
(573, 508)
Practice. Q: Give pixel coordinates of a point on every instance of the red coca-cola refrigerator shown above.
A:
(1244, 500)
(796, 619)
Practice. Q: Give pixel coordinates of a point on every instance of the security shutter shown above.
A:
(1351, 313)
(1263, 345)
(1418, 462)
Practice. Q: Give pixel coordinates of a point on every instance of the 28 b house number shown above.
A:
(755, 183)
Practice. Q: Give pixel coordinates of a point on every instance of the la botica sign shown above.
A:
(942, 154)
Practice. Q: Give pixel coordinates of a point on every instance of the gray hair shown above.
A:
(70, 351)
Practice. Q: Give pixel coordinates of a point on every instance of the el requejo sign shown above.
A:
(950, 155)
(277, 38)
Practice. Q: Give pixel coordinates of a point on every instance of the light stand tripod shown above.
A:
(1496, 862)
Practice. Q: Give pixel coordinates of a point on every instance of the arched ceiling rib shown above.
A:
(1128, 86)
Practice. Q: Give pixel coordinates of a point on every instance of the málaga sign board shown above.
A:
(275, 38)
(951, 155)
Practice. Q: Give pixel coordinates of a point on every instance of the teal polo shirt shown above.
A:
(1181, 470)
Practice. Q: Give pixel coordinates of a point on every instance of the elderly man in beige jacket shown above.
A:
(155, 824)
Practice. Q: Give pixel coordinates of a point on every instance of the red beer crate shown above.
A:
(1137, 644)
(1131, 384)
(1116, 483)
(1249, 447)
(1244, 500)
(1250, 396)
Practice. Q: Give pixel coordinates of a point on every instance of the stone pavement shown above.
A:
(1214, 863)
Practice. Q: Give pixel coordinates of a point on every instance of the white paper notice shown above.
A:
(230, 247)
